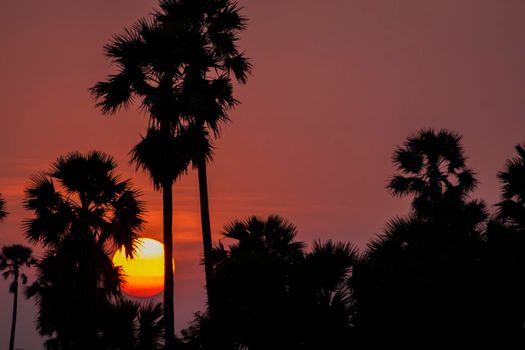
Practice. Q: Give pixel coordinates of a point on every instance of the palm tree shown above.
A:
(133, 326)
(213, 60)
(275, 295)
(321, 286)
(425, 267)
(511, 208)
(165, 157)
(13, 259)
(432, 167)
(179, 65)
(505, 255)
(251, 281)
(3, 212)
(82, 210)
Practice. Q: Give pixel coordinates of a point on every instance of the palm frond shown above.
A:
(151, 326)
(127, 222)
(511, 208)
(161, 156)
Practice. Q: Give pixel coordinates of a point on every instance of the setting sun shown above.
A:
(144, 274)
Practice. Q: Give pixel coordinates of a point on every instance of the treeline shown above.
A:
(447, 275)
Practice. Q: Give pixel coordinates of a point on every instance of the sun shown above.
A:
(144, 274)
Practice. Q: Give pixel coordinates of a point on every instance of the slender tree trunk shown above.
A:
(15, 305)
(206, 230)
(169, 321)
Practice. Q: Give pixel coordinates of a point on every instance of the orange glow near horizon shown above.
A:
(144, 274)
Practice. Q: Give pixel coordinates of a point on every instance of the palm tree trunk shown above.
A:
(169, 321)
(15, 305)
(206, 229)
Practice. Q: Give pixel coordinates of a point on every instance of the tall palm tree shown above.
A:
(13, 259)
(82, 210)
(432, 166)
(166, 157)
(512, 206)
(213, 61)
(180, 65)
(3, 212)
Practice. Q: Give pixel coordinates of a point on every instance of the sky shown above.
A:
(337, 84)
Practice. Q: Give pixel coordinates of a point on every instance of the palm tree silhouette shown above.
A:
(272, 294)
(251, 277)
(505, 258)
(3, 212)
(511, 208)
(82, 211)
(321, 288)
(165, 158)
(432, 167)
(160, 154)
(133, 326)
(13, 259)
(425, 267)
(179, 64)
(214, 59)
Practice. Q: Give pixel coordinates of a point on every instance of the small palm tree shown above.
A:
(325, 298)
(274, 236)
(133, 326)
(12, 260)
(3, 212)
(432, 166)
(82, 211)
(272, 294)
(511, 209)
(251, 283)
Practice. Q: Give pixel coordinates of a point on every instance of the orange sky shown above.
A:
(337, 84)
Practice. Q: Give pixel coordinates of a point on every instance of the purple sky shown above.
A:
(337, 85)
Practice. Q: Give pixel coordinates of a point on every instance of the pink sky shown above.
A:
(337, 84)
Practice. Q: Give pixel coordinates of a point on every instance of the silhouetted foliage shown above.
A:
(13, 259)
(180, 64)
(511, 209)
(132, 326)
(272, 294)
(433, 168)
(82, 209)
(420, 283)
(443, 277)
(505, 257)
